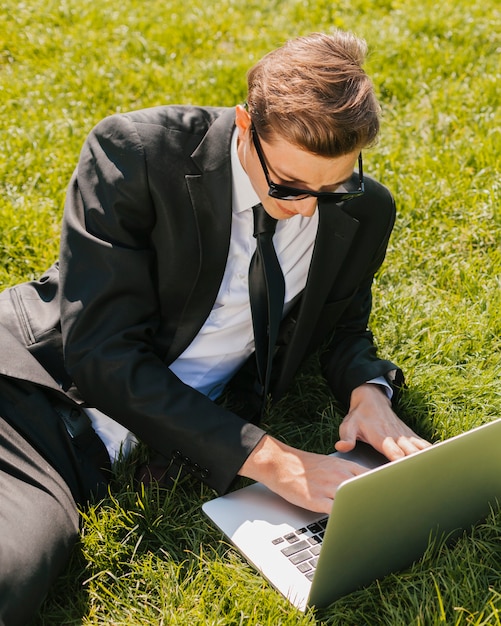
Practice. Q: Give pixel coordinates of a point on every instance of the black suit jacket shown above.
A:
(144, 244)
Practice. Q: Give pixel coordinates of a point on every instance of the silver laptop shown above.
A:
(380, 522)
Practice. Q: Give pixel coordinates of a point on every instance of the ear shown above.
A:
(242, 121)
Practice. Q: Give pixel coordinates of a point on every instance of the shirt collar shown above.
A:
(243, 194)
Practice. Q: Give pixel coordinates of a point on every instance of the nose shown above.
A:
(306, 207)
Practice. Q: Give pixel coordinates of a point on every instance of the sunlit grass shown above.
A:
(151, 557)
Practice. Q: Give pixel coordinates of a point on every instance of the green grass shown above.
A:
(151, 557)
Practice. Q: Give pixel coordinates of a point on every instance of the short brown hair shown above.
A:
(314, 93)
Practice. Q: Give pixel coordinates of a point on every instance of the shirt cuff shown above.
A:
(381, 380)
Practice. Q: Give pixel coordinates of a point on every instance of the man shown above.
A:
(150, 305)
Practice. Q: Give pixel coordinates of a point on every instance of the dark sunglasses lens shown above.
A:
(275, 191)
(281, 195)
(354, 194)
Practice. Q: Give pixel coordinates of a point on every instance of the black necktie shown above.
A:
(266, 292)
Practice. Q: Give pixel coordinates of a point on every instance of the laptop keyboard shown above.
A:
(302, 546)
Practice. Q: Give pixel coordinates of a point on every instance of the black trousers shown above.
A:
(44, 476)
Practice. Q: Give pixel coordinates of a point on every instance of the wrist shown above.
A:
(262, 461)
(368, 391)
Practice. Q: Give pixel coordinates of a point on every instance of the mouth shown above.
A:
(286, 211)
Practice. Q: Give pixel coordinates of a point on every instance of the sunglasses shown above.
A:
(283, 192)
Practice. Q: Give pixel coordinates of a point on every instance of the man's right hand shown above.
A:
(304, 478)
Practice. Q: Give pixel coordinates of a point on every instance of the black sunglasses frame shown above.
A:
(283, 192)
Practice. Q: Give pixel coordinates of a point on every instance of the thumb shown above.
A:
(347, 437)
(345, 445)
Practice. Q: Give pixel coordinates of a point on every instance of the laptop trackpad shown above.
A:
(364, 455)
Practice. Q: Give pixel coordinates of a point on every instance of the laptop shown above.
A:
(380, 522)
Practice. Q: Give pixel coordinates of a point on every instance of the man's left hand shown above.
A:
(371, 419)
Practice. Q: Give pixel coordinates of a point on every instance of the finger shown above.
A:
(403, 446)
(345, 445)
(357, 469)
(325, 505)
(391, 449)
(348, 433)
(410, 445)
(351, 471)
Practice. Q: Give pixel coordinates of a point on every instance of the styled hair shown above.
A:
(314, 93)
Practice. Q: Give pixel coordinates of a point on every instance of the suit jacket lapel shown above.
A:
(210, 193)
(336, 230)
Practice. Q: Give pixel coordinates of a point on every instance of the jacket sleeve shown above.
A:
(351, 357)
(110, 313)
